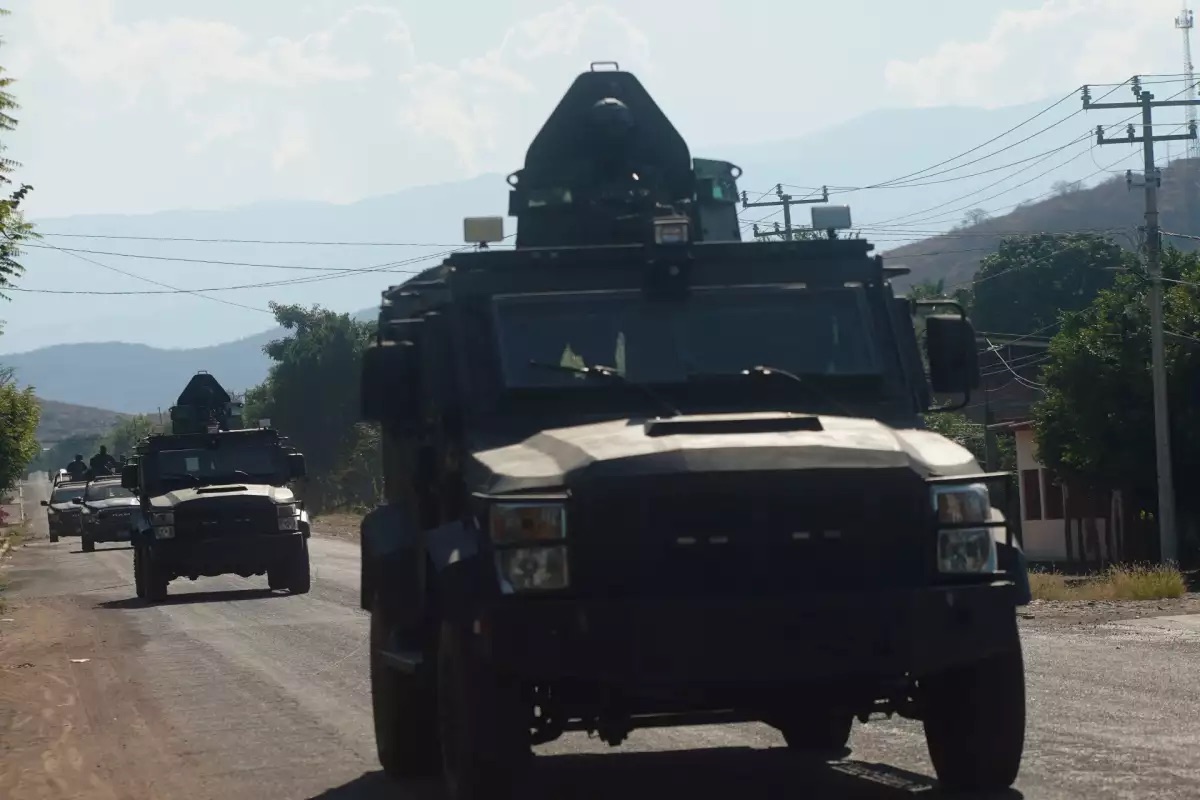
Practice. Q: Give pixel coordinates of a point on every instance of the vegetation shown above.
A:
(1126, 582)
(19, 412)
(311, 394)
(1096, 422)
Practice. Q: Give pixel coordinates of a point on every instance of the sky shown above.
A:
(143, 105)
(137, 106)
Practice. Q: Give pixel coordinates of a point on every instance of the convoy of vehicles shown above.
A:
(640, 473)
(214, 498)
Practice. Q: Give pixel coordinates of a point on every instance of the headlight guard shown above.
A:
(964, 527)
(529, 537)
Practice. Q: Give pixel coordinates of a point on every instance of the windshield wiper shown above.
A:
(761, 370)
(598, 370)
(175, 476)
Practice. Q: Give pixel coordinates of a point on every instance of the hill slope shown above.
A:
(64, 420)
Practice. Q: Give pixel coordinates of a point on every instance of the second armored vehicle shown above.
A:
(215, 499)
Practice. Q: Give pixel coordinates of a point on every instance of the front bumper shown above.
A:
(108, 531)
(219, 555)
(818, 637)
(61, 525)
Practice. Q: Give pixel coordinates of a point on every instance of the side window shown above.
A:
(1052, 491)
(191, 464)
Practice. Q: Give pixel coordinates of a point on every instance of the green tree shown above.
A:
(125, 435)
(311, 396)
(56, 456)
(13, 227)
(1096, 420)
(1024, 286)
(19, 417)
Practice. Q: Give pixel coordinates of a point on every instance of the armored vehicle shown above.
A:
(106, 512)
(214, 498)
(641, 473)
(62, 510)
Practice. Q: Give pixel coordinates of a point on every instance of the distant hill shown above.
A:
(136, 378)
(955, 256)
(64, 420)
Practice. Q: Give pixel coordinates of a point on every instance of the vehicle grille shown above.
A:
(751, 533)
(226, 517)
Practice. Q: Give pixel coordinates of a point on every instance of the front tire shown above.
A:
(404, 708)
(483, 725)
(975, 722)
(299, 575)
(87, 545)
(823, 733)
(154, 577)
(139, 572)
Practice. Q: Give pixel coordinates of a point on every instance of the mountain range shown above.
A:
(126, 320)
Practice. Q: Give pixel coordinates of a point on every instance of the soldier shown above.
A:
(102, 463)
(77, 469)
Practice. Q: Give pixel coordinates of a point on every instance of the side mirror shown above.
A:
(389, 391)
(129, 477)
(45, 502)
(77, 501)
(953, 358)
(296, 467)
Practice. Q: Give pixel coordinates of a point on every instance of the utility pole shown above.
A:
(787, 201)
(1167, 532)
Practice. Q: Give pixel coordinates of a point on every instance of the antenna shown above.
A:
(1185, 22)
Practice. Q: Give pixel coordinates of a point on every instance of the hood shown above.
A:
(276, 494)
(112, 502)
(60, 507)
(714, 443)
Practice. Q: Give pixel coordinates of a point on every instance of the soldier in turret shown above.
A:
(103, 463)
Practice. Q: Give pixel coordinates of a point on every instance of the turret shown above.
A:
(607, 163)
(204, 404)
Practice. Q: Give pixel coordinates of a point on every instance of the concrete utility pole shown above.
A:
(787, 201)
(1167, 532)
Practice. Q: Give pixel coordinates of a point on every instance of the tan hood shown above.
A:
(277, 494)
(555, 457)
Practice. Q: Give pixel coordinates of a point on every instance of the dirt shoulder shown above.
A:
(1095, 612)
(338, 525)
(73, 717)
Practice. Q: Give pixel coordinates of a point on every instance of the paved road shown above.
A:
(227, 691)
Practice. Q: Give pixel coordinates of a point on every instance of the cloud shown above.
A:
(1059, 45)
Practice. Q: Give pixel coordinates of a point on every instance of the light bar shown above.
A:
(671, 230)
(482, 230)
(830, 218)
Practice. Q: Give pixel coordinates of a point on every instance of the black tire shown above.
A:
(975, 722)
(482, 723)
(139, 572)
(53, 536)
(154, 577)
(405, 711)
(277, 576)
(299, 573)
(818, 734)
(86, 544)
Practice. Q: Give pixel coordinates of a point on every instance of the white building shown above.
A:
(1056, 525)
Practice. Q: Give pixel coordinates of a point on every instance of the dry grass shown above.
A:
(1123, 582)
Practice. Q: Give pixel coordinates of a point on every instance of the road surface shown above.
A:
(228, 691)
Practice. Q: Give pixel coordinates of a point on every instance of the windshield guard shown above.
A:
(720, 331)
(106, 491)
(226, 462)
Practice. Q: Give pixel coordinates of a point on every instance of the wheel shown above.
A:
(53, 536)
(821, 733)
(277, 577)
(154, 578)
(139, 572)
(482, 723)
(299, 572)
(975, 722)
(87, 544)
(405, 711)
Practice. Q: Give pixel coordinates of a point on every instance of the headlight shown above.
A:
(162, 518)
(525, 557)
(287, 516)
(964, 550)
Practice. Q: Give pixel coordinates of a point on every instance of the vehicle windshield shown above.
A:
(712, 332)
(106, 491)
(66, 495)
(226, 462)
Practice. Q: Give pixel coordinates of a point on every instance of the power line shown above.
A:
(310, 243)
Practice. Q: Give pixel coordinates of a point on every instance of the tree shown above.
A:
(1096, 421)
(976, 216)
(1064, 188)
(13, 227)
(1024, 286)
(311, 395)
(125, 435)
(19, 417)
